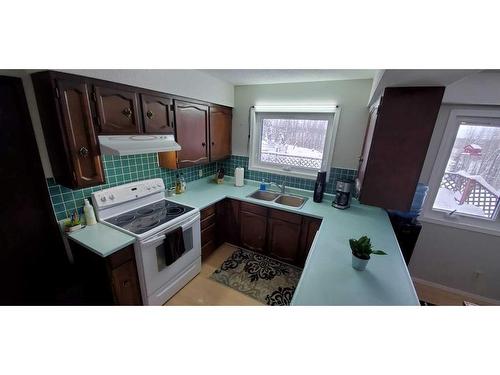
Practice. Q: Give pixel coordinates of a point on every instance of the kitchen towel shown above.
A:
(239, 174)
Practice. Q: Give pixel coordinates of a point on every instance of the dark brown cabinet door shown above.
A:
(310, 227)
(396, 145)
(227, 213)
(125, 284)
(253, 230)
(220, 132)
(117, 111)
(191, 123)
(157, 116)
(283, 240)
(76, 113)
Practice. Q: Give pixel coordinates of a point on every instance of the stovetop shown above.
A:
(147, 217)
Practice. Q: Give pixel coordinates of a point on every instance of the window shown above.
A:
(465, 182)
(296, 141)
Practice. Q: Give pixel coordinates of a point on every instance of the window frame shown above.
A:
(457, 220)
(332, 113)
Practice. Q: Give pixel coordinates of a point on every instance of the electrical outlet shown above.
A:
(477, 274)
(200, 173)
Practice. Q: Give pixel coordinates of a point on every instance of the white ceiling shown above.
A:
(240, 77)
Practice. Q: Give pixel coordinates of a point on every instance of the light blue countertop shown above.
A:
(328, 278)
(101, 239)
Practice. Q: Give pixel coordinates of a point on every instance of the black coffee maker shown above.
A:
(342, 194)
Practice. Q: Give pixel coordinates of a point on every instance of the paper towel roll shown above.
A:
(239, 174)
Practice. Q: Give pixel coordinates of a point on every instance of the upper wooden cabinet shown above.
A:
(157, 115)
(191, 126)
(396, 141)
(117, 111)
(220, 132)
(66, 114)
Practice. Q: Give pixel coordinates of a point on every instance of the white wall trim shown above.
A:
(467, 296)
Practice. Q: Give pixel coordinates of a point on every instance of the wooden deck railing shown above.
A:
(471, 191)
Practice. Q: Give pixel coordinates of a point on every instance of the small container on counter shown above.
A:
(239, 175)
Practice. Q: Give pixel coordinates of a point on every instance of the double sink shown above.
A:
(279, 198)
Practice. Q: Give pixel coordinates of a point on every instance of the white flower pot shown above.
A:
(358, 263)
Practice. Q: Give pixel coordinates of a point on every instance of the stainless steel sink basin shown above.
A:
(264, 195)
(290, 200)
(284, 199)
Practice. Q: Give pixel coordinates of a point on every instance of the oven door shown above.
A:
(167, 254)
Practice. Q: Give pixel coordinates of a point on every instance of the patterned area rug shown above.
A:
(267, 280)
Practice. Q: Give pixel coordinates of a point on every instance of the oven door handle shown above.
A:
(156, 239)
(190, 222)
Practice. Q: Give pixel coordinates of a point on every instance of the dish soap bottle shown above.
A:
(178, 184)
(88, 210)
(183, 184)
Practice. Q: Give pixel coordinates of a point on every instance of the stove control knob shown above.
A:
(103, 199)
(111, 196)
(158, 185)
(148, 187)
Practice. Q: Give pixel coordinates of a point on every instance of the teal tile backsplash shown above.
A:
(120, 170)
(296, 182)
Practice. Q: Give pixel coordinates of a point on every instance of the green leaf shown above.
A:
(379, 252)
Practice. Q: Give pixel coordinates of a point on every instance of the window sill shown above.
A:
(282, 172)
(459, 225)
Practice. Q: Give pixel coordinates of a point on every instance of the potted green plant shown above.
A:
(361, 251)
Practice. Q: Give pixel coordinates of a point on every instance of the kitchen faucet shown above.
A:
(281, 187)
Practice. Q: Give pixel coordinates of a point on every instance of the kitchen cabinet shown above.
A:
(117, 110)
(107, 281)
(396, 141)
(157, 114)
(208, 231)
(310, 227)
(66, 113)
(253, 231)
(279, 234)
(283, 240)
(191, 126)
(220, 132)
(228, 221)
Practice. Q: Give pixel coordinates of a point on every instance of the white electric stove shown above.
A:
(168, 246)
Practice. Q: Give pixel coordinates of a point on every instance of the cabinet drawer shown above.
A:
(256, 209)
(207, 211)
(208, 234)
(207, 222)
(285, 216)
(121, 256)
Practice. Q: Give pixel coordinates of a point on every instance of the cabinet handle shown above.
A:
(127, 112)
(126, 283)
(213, 143)
(150, 114)
(203, 144)
(83, 152)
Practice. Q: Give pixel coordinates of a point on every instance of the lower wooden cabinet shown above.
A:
(208, 231)
(281, 235)
(283, 240)
(253, 231)
(107, 281)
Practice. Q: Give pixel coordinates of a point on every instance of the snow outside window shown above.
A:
(468, 189)
(292, 143)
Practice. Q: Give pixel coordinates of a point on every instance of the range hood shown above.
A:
(137, 144)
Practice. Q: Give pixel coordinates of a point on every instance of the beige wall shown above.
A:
(350, 95)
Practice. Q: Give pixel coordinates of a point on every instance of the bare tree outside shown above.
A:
(293, 142)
